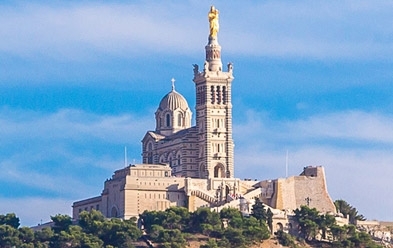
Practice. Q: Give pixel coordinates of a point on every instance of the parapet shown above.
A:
(143, 170)
(312, 171)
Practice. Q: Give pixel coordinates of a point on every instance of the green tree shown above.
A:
(204, 216)
(78, 238)
(235, 237)
(258, 211)
(9, 236)
(150, 218)
(325, 222)
(339, 233)
(171, 220)
(92, 222)
(181, 213)
(120, 233)
(308, 219)
(269, 219)
(9, 219)
(44, 235)
(348, 211)
(285, 239)
(253, 230)
(234, 217)
(26, 235)
(61, 222)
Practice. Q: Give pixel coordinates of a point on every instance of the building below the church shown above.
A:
(193, 166)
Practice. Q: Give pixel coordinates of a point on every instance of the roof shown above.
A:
(172, 101)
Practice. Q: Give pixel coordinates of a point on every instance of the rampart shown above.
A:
(309, 188)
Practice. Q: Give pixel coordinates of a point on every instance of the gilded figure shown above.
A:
(213, 20)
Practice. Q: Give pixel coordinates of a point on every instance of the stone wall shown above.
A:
(309, 188)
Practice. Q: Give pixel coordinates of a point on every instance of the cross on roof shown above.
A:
(173, 83)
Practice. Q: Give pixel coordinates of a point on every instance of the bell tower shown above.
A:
(214, 110)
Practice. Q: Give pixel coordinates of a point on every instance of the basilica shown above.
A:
(193, 166)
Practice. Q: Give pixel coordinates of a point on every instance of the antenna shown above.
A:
(286, 165)
(125, 156)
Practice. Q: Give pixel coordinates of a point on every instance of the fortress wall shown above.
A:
(284, 197)
(307, 189)
(313, 187)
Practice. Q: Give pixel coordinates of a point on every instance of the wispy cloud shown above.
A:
(61, 153)
(87, 43)
(354, 147)
(88, 143)
(76, 31)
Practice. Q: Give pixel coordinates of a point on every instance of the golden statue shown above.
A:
(213, 20)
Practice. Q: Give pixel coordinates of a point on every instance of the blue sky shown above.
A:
(80, 80)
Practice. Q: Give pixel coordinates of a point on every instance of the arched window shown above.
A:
(219, 171)
(168, 120)
(150, 158)
(202, 171)
(114, 212)
(179, 120)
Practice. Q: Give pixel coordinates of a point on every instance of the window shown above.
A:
(179, 120)
(168, 120)
(212, 94)
(224, 95)
(218, 94)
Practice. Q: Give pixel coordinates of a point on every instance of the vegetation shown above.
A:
(225, 229)
(93, 231)
(312, 223)
(348, 211)
(175, 226)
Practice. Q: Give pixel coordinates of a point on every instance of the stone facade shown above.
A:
(193, 166)
(134, 189)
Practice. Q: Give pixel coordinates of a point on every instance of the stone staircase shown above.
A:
(246, 198)
(204, 195)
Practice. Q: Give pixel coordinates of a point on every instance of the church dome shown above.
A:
(173, 114)
(172, 101)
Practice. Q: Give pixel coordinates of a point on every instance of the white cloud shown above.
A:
(75, 31)
(63, 152)
(357, 173)
(354, 147)
(71, 124)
